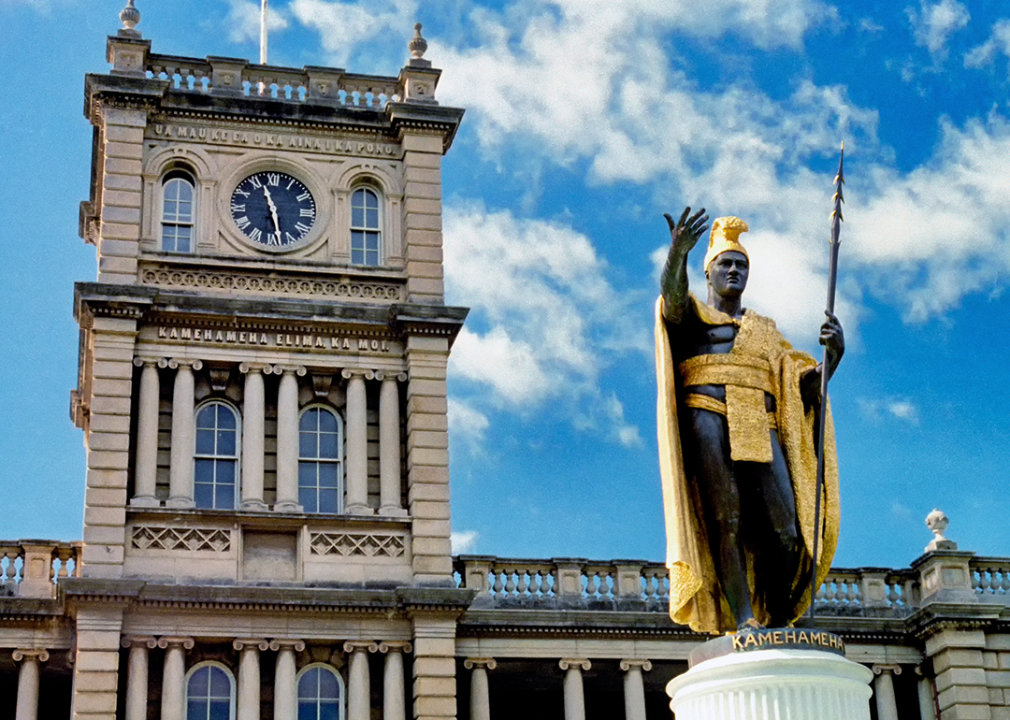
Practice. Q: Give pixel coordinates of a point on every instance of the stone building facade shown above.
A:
(262, 392)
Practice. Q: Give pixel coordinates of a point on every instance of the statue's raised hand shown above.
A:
(685, 233)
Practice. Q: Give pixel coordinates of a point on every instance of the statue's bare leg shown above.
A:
(772, 528)
(708, 458)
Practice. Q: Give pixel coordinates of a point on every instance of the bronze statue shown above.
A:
(738, 414)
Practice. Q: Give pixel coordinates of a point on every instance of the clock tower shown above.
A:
(262, 386)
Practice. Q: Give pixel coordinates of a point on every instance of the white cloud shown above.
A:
(467, 422)
(343, 26)
(897, 408)
(934, 23)
(998, 42)
(244, 19)
(464, 541)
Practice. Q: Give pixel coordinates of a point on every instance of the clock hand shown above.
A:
(273, 212)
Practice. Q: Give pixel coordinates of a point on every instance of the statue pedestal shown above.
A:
(795, 674)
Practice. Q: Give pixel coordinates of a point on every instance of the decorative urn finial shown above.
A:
(937, 522)
(417, 45)
(129, 16)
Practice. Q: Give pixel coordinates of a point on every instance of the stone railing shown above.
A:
(30, 568)
(990, 578)
(237, 78)
(639, 585)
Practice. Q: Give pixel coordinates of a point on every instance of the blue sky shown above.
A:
(585, 122)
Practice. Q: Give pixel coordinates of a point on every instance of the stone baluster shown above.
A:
(253, 434)
(249, 676)
(480, 697)
(136, 675)
(357, 441)
(634, 688)
(285, 671)
(146, 468)
(287, 438)
(389, 445)
(180, 479)
(393, 689)
(29, 675)
(575, 699)
(883, 691)
(173, 677)
(358, 682)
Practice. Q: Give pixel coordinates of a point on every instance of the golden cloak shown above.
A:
(696, 599)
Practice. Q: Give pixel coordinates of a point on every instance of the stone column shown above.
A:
(883, 691)
(287, 439)
(249, 676)
(28, 682)
(358, 682)
(253, 432)
(393, 707)
(180, 482)
(575, 700)
(634, 688)
(389, 445)
(285, 688)
(357, 442)
(146, 468)
(173, 677)
(480, 697)
(136, 677)
(927, 697)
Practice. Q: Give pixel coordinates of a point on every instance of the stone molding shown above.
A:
(384, 375)
(645, 665)
(348, 373)
(881, 668)
(148, 641)
(368, 645)
(39, 654)
(580, 663)
(250, 643)
(170, 641)
(278, 644)
(298, 370)
(176, 363)
(387, 646)
(250, 367)
(485, 663)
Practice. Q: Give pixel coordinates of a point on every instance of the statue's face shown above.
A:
(727, 274)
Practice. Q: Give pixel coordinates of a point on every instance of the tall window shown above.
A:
(210, 693)
(216, 458)
(177, 213)
(319, 473)
(366, 237)
(320, 694)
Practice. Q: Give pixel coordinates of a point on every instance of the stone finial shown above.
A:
(130, 16)
(418, 45)
(937, 522)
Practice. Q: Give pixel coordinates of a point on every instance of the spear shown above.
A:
(836, 227)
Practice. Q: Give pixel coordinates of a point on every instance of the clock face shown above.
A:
(273, 209)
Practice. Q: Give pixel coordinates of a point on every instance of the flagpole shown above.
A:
(836, 226)
(263, 33)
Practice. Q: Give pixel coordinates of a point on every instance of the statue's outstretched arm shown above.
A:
(684, 235)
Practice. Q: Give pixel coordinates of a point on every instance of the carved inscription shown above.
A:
(759, 639)
(289, 141)
(309, 341)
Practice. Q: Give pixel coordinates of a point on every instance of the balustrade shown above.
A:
(30, 568)
(990, 578)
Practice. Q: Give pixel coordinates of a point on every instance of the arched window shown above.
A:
(177, 212)
(216, 459)
(320, 694)
(366, 236)
(210, 693)
(320, 475)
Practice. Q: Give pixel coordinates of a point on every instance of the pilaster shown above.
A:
(96, 662)
(422, 215)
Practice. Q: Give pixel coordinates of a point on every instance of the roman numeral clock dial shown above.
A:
(273, 209)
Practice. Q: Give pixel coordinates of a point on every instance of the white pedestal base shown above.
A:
(784, 684)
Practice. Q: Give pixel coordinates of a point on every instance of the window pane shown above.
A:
(357, 217)
(225, 417)
(203, 471)
(219, 685)
(327, 421)
(196, 710)
(329, 712)
(198, 682)
(328, 446)
(307, 444)
(328, 687)
(225, 472)
(371, 241)
(184, 190)
(307, 710)
(328, 473)
(308, 421)
(307, 474)
(226, 442)
(329, 502)
(220, 710)
(225, 497)
(307, 499)
(204, 442)
(203, 495)
(205, 418)
(371, 199)
(357, 257)
(372, 218)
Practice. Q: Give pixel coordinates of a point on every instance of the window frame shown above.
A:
(172, 175)
(341, 701)
(231, 687)
(338, 461)
(365, 228)
(237, 457)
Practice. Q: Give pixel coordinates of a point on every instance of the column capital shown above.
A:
(250, 643)
(353, 645)
(254, 367)
(176, 363)
(278, 644)
(142, 360)
(173, 641)
(348, 373)
(39, 654)
(148, 641)
(395, 646)
(485, 663)
(645, 665)
(881, 668)
(298, 370)
(580, 663)
(393, 376)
